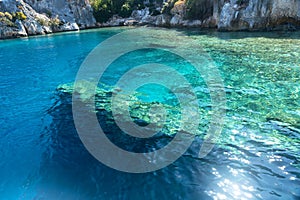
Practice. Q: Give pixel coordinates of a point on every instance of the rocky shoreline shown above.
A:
(22, 18)
(233, 15)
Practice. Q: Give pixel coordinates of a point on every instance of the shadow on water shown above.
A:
(231, 170)
(257, 157)
(68, 171)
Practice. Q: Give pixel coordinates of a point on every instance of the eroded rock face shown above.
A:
(176, 20)
(231, 15)
(259, 14)
(179, 8)
(45, 16)
(9, 32)
(74, 11)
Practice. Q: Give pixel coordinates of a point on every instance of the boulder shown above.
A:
(115, 21)
(33, 27)
(192, 23)
(69, 27)
(176, 20)
(21, 29)
(162, 20)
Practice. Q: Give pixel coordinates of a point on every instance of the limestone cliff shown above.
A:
(30, 17)
(260, 14)
(229, 15)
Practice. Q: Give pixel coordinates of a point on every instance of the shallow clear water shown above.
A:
(256, 157)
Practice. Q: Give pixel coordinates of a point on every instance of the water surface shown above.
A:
(257, 156)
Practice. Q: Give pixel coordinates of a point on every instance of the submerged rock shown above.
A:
(139, 110)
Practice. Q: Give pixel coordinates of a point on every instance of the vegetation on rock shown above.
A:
(6, 19)
(52, 22)
(190, 9)
(105, 9)
(8, 15)
(168, 6)
(199, 9)
(20, 16)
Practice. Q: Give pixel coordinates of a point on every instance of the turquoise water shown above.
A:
(257, 156)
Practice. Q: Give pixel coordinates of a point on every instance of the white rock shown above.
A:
(176, 20)
(22, 30)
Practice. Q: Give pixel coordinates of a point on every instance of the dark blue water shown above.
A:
(258, 156)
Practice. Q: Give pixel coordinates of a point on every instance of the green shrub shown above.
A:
(168, 6)
(126, 10)
(105, 9)
(54, 21)
(7, 22)
(199, 9)
(8, 16)
(42, 21)
(20, 16)
(6, 19)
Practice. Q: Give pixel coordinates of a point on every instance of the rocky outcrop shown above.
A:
(74, 11)
(260, 14)
(230, 15)
(33, 17)
(20, 18)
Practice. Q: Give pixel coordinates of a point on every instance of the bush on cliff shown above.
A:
(20, 16)
(199, 9)
(105, 9)
(6, 18)
(7, 22)
(168, 6)
(53, 22)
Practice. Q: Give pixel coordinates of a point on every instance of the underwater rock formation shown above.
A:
(140, 111)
